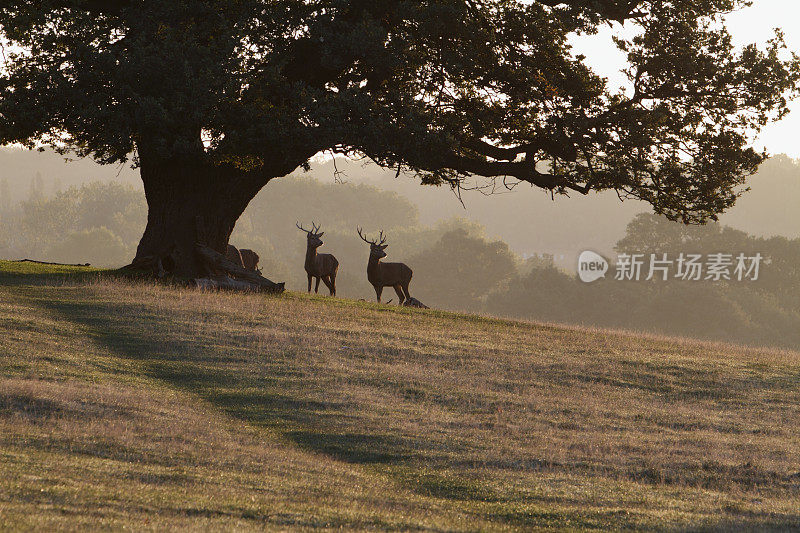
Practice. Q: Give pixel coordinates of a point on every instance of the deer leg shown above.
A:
(400, 296)
(309, 283)
(316, 286)
(405, 290)
(378, 291)
(327, 281)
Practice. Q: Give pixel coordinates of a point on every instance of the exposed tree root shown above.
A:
(225, 274)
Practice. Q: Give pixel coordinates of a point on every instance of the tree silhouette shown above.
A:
(212, 99)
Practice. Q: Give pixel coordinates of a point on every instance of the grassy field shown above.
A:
(133, 405)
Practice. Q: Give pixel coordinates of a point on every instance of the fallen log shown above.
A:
(223, 267)
(224, 283)
(49, 263)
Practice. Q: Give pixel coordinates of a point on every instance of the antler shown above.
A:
(381, 237)
(314, 229)
(364, 238)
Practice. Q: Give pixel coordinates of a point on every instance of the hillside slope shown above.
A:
(129, 404)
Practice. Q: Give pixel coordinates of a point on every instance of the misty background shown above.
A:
(508, 254)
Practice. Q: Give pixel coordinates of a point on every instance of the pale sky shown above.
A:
(751, 25)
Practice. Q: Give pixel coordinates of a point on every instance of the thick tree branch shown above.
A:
(522, 170)
(559, 146)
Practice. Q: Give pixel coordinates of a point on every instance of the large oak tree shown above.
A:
(214, 98)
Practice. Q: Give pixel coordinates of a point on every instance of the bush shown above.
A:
(98, 244)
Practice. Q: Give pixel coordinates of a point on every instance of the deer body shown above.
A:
(380, 275)
(395, 275)
(323, 267)
(244, 258)
(320, 266)
(250, 259)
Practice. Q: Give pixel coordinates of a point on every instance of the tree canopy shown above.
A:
(442, 88)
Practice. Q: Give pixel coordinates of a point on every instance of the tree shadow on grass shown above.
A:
(358, 448)
(328, 427)
(52, 276)
(187, 364)
(320, 426)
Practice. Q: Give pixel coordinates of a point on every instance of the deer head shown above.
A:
(314, 236)
(376, 248)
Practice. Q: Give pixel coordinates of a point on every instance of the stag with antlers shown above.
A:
(320, 266)
(380, 275)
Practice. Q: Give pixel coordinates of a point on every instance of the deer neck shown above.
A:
(373, 268)
(311, 256)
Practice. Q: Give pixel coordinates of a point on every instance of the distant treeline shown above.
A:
(101, 223)
(455, 265)
(762, 312)
(527, 218)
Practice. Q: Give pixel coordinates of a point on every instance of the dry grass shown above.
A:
(127, 404)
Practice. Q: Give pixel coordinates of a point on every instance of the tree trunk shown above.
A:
(190, 202)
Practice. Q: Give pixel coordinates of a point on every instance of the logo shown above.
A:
(591, 266)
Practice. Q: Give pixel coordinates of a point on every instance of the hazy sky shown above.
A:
(755, 24)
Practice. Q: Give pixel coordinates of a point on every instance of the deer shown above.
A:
(233, 254)
(244, 258)
(321, 266)
(250, 259)
(380, 275)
